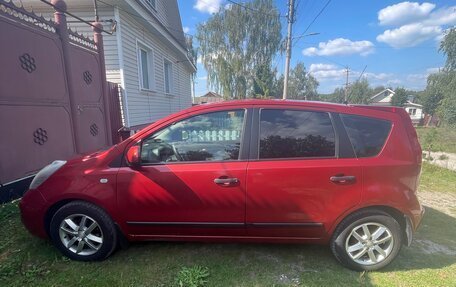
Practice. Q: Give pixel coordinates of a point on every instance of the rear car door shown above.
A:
(302, 175)
(191, 181)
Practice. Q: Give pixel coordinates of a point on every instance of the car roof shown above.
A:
(278, 102)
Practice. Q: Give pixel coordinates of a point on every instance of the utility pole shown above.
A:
(347, 71)
(288, 58)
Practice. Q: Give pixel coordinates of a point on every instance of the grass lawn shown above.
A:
(430, 261)
(444, 139)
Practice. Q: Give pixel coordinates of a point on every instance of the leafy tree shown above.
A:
(433, 94)
(360, 92)
(302, 85)
(448, 46)
(263, 82)
(338, 96)
(399, 98)
(235, 42)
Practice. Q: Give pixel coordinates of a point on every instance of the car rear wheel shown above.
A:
(367, 240)
(83, 231)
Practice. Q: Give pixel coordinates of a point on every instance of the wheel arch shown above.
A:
(57, 205)
(401, 218)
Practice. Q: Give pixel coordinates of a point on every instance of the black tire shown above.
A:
(371, 218)
(104, 229)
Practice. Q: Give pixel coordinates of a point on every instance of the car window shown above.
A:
(294, 133)
(208, 137)
(367, 135)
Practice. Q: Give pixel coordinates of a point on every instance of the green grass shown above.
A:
(29, 261)
(435, 178)
(444, 139)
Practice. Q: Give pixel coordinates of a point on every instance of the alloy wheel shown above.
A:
(81, 234)
(369, 243)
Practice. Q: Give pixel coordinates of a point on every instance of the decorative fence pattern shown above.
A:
(53, 91)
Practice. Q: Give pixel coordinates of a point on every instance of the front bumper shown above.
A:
(33, 208)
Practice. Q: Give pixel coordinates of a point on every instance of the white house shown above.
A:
(146, 55)
(385, 97)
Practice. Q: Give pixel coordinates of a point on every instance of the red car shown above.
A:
(250, 171)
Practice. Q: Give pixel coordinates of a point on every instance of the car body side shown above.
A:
(388, 181)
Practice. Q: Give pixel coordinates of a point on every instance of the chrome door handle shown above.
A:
(222, 181)
(343, 179)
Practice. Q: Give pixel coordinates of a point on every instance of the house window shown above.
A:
(168, 70)
(412, 112)
(151, 3)
(146, 64)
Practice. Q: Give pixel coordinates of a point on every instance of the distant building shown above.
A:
(384, 98)
(209, 97)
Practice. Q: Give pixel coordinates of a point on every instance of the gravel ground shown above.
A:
(443, 159)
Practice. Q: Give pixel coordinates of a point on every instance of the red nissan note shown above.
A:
(251, 171)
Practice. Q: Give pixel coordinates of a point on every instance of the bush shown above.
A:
(195, 276)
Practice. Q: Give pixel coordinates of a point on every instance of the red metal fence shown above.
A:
(54, 101)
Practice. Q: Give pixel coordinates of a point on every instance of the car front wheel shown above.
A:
(367, 240)
(83, 231)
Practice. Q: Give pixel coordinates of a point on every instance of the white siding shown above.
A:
(148, 106)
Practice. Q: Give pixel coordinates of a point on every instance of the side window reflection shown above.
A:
(208, 137)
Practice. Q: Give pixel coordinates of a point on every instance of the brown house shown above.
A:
(209, 97)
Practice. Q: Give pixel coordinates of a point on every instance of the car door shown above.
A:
(302, 174)
(192, 178)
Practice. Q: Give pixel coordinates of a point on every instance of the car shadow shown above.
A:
(434, 247)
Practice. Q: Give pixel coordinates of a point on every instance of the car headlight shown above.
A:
(46, 172)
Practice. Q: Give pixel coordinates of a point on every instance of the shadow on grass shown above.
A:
(158, 263)
(434, 248)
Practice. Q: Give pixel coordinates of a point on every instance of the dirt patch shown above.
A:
(445, 202)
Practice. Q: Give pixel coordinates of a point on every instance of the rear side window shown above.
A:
(294, 133)
(367, 135)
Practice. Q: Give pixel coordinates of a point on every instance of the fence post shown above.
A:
(98, 38)
(62, 30)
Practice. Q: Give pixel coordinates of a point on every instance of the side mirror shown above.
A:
(133, 156)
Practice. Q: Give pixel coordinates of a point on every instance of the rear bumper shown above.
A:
(411, 227)
(33, 208)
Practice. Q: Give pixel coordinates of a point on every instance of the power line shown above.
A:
(255, 10)
(315, 18)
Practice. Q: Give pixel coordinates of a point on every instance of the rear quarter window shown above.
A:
(367, 135)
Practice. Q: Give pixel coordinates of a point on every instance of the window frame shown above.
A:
(255, 148)
(244, 140)
(140, 46)
(150, 5)
(171, 91)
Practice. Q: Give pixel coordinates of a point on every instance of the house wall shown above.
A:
(418, 115)
(148, 106)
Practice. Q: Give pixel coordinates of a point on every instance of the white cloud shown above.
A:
(403, 13)
(326, 72)
(340, 46)
(409, 35)
(186, 29)
(423, 23)
(207, 6)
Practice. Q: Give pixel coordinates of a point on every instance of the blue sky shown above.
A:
(397, 41)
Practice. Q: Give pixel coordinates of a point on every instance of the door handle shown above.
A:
(226, 182)
(343, 179)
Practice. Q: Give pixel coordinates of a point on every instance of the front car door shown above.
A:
(301, 176)
(192, 178)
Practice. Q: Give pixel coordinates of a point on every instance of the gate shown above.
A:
(53, 91)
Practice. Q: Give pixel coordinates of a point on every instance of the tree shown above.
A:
(302, 85)
(440, 96)
(237, 41)
(263, 82)
(448, 47)
(433, 94)
(360, 92)
(399, 98)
